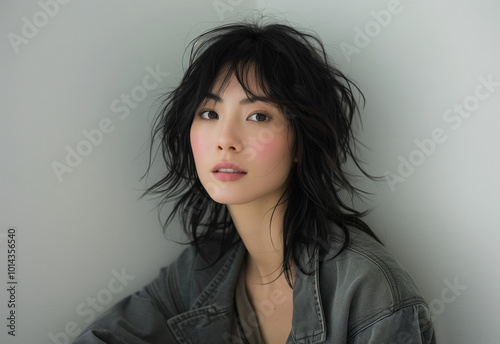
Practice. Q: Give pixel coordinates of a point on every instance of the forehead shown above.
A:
(245, 78)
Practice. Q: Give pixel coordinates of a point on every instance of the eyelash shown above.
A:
(201, 113)
(206, 111)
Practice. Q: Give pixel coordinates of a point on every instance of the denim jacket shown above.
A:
(363, 295)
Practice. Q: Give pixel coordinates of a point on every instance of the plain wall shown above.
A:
(63, 85)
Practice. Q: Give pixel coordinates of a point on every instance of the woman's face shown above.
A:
(242, 147)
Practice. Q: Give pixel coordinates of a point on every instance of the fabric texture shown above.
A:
(363, 295)
(245, 322)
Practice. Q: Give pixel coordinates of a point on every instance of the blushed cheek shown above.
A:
(199, 146)
(275, 152)
(271, 149)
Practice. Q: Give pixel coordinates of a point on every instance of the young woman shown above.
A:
(255, 139)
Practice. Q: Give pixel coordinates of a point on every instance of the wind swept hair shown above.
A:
(293, 72)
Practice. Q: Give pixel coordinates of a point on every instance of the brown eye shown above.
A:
(259, 117)
(209, 115)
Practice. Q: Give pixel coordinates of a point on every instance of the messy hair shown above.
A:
(294, 73)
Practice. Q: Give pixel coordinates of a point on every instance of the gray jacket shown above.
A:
(361, 296)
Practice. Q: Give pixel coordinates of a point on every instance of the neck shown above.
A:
(263, 240)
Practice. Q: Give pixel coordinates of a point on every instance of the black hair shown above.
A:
(294, 73)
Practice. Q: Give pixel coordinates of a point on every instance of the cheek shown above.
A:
(198, 145)
(272, 149)
(275, 151)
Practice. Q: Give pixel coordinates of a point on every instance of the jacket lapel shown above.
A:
(209, 319)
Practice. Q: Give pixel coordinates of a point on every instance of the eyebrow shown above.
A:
(216, 98)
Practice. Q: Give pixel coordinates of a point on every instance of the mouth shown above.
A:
(227, 167)
(228, 170)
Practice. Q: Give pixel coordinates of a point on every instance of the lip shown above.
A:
(228, 176)
(227, 164)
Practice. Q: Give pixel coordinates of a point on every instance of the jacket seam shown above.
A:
(395, 295)
(103, 330)
(157, 302)
(380, 318)
(173, 288)
(206, 294)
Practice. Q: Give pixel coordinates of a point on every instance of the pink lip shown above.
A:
(228, 176)
(225, 164)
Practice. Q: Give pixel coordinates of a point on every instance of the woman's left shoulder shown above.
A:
(376, 292)
(368, 265)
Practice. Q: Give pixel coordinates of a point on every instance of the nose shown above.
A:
(228, 138)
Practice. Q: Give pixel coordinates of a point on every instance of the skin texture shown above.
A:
(255, 136)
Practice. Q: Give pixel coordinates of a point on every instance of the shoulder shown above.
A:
(370, 285)
(365, 262)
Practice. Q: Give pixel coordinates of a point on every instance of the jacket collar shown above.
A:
(211, 314)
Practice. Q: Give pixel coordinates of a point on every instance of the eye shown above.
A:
(259, 117)
(208, 114)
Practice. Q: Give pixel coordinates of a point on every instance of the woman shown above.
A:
(255, 139)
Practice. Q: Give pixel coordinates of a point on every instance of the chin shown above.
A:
(229, 200)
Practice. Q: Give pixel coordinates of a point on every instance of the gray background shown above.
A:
(62, 78)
